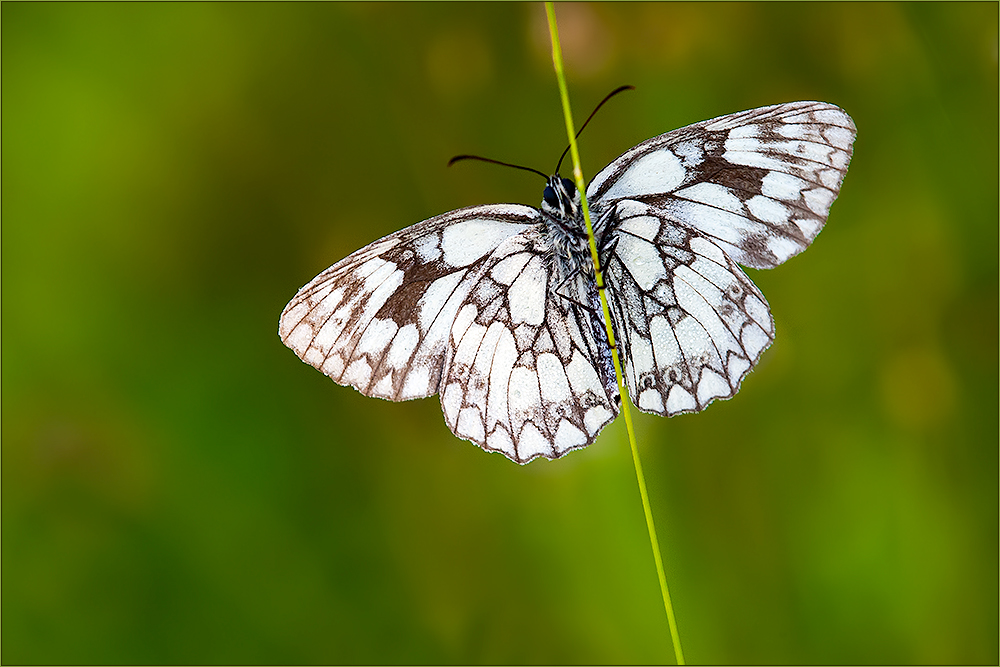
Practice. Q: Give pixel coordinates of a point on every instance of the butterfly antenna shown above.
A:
(619, 89)
(459, 158)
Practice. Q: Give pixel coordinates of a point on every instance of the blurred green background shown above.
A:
(178, 487)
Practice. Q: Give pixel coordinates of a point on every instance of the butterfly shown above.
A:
(496, 307)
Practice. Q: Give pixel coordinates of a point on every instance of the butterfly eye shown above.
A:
(569, 185)
(549, 195)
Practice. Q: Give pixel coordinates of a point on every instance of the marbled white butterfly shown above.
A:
(496, 308)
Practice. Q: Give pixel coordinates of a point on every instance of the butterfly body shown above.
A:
(496, 307)
(565, 228)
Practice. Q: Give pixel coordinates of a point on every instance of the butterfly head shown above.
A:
(560, 200)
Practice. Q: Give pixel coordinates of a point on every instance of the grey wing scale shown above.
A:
(759, 183)
(526, 374)
(380, 319)
(689, 322)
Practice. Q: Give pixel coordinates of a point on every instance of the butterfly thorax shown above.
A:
(566, 231)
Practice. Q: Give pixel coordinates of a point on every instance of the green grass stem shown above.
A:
(599, 278)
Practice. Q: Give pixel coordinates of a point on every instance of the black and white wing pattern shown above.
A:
(752, 188)
(496, 308)
(380, 320)
(528, 372)
(689, 321)
(461, 305)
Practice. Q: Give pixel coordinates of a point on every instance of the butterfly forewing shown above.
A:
(759, 183)
(496, 309)
(380, 319)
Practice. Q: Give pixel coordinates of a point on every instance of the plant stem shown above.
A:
(599, 278)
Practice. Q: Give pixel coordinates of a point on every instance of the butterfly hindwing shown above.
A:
(525, 373)
(759, 183)
(380, 319)
(689, 322)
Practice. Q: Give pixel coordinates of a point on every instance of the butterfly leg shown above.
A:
(607, 250)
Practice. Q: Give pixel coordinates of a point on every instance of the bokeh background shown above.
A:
(178, 487)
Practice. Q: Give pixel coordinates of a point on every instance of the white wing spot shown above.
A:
(691, 153)
(779, 185)
(712, 386)
(679, 400)
(509, 268)
(758, 311)
(462, 322)
(332, 366)
(417, 383)
(783, 247)
(840, 137)
(376, 336)
(451, 403)
(768, 210)
(581, 375)
(435, 296)
(568, 437)
(403, 345)
(738, 366)
(658, 171)
(644, 262)
(706, 248)
(370, 267)
(470, 424)
(754, 340)
(466, 241)
(428, 248)
(552, 378)
(528, 304)
(524, 398)
(504, 356)
(532, 443)
(668, 353)
(651, 401)
(645, 226)
(831, 178)
(384, 386)
(714, 195)
(299, 338)
(744, 132)
(595, 418)
(499, 439)
(359, 373)
(819, 201)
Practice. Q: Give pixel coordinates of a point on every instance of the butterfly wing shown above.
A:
(526, 373)
(689, 321)
(681, 211)
(759, 183)
(380, 319)
(460, 304)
